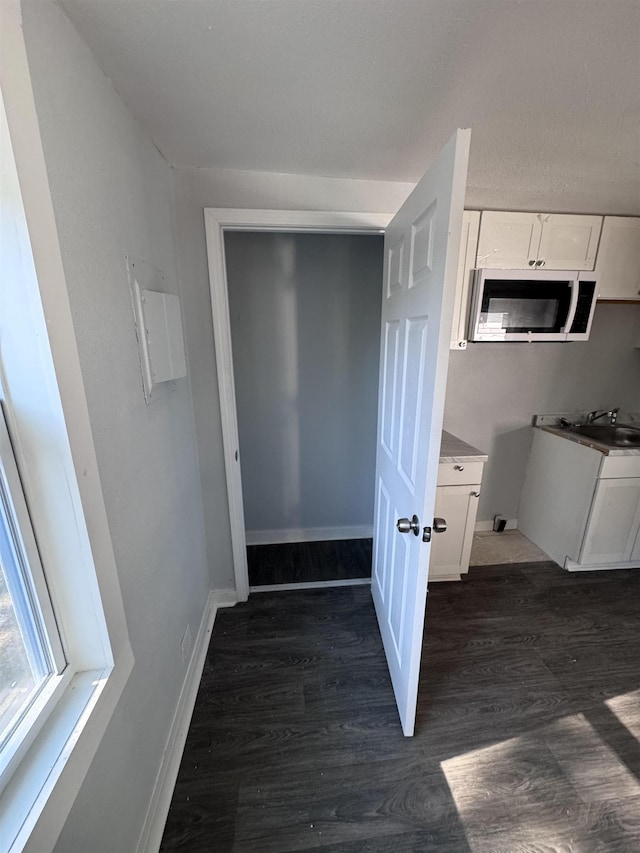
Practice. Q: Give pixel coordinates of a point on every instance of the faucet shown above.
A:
(596, 415)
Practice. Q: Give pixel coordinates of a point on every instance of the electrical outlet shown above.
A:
(185, 645)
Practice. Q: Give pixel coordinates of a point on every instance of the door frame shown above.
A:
(217, 221)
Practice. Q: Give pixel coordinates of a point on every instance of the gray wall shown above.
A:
(493, 390)
(111, 193)
(305, 322)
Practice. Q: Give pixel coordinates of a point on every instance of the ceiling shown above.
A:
(373, 88)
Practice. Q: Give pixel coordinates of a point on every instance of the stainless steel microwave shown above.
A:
(532, 305)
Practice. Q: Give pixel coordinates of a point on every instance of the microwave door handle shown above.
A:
(575, 291)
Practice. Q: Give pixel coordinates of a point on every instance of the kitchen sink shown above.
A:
(617, 435)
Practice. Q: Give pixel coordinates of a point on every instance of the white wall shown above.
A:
(111, 193)
(494, 389)
(305, 325)
(195, 189)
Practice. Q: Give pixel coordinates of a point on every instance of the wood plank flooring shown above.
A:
(528, 731)
(302, 562)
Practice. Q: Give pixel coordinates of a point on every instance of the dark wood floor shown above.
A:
(302, 562)
(528, 731)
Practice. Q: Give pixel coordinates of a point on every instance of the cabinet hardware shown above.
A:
(475, 494)
(439, 525)
(458, 467)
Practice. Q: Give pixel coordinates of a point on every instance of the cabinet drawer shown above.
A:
(619, 466)
(460, 473)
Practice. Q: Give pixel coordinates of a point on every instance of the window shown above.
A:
(31, 657)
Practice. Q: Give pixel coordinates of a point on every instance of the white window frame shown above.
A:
(48, 420)
(44, 696)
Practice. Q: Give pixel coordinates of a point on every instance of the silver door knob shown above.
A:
(405, 525)
(439, 525)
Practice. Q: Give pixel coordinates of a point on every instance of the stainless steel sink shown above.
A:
(619, 435)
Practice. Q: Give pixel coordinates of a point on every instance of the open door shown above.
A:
(420, 260)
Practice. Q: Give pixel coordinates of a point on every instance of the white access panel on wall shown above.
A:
(163, 329)
(158, 328)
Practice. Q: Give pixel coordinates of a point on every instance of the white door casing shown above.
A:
(217, 221)
(421, 249)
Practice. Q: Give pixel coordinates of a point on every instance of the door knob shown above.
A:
(406, 526)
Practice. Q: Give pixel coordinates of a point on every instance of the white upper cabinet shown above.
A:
(510, 240)
(466, 263)
(618, 265)
(569, 242)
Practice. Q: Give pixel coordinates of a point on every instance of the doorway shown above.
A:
(219, 223)
(304, 314)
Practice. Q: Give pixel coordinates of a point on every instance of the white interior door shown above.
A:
(420, 255)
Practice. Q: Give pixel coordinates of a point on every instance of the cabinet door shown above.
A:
(450, 551)
(466, 263)
(613, 522)
(618, 264)
(508, 240)
(569, 242)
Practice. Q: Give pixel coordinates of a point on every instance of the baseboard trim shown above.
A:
(226, 597)
(283, 587)
(487, 526)
(153, 827)
(572, 566)
(308, 534)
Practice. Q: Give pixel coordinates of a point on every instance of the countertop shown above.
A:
(547, 423)
(453, 449)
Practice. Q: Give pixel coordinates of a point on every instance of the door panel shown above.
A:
(417, 309)
(415, 338)
(391, 336)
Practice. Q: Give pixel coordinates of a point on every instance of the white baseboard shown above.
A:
(225, 597)
(283, 587)
(487, 526)
(308, 534)
(153, 828)
(572, 566)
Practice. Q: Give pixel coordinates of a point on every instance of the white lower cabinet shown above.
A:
(580, 506)
(614, 521)
(458, 504)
